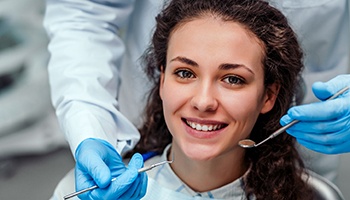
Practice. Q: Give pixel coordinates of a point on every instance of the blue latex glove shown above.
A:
(324, 126)
(97, 162)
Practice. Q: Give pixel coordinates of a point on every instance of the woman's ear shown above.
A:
(270, 97)
(161, 81)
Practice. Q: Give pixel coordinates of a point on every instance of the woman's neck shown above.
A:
(207, 175)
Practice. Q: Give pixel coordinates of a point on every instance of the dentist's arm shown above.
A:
(324, 126)
(86, 52)
(84, 77)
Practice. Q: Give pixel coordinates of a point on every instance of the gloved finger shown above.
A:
(327, 149)
(136, 161)
(320, 111)
(93, 166)
(90, 168)
(122, 187)
(136, 187)
(118, 187)
(111, 157)
(333, 138)
(82, 181)
(143, 186)
(134, 190)
(285, 120)
(320, 127)
(324, 90)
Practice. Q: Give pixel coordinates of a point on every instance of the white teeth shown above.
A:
(193, 125)
(200, 127)
(205, 128)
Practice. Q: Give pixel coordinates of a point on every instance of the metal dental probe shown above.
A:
(247, 143)
(143, 169)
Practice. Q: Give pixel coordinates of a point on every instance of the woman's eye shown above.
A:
(234, 80)
(184, 74)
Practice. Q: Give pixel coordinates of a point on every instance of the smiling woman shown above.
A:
(222, 71)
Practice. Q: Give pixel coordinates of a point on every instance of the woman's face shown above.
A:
(213, 87)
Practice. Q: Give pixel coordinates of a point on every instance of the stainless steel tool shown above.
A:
(247, 143)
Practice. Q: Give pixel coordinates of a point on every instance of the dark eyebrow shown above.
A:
(225, 66)
(185, 60)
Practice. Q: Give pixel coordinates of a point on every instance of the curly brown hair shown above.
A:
(276, 166)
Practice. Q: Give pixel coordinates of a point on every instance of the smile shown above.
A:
(205, 127)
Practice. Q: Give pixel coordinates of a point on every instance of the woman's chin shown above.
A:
(200, 153)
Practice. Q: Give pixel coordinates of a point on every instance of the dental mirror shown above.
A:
(247, 143)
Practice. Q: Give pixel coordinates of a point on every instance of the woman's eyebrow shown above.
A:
(185, 60)
(228, 66)
(225, 66)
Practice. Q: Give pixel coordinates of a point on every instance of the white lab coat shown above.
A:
(89, 66)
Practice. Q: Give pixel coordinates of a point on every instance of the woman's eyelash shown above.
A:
(183, 73)
(234, 80)
(231, 79)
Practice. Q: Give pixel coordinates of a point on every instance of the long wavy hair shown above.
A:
(276, 166)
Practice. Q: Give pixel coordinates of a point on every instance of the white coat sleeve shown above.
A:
(83, 69)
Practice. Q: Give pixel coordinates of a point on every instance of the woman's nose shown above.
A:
(204, 99)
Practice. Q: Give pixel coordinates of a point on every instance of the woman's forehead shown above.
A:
(216, 38)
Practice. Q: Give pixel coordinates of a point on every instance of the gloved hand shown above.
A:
(97, 162)
(324, 126)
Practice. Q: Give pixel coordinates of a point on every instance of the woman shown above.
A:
(222, 71)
